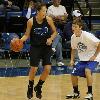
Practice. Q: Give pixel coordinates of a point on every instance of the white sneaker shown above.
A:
(89, 96)
(60, 64)
(53, 49)
(73, 95)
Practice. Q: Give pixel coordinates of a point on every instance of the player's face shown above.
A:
(42, 12)
(76, 29)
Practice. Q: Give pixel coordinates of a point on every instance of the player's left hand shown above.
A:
(92, 58)
(49, 41)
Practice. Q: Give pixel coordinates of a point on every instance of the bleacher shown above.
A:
(14, 23)
(95, 14)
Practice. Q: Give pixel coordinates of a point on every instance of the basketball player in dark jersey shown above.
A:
(42, 32)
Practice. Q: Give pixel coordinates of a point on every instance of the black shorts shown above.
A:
(40, 52)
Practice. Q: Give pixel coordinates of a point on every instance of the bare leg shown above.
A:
(89, 80)
(89, 84)
(88, 77)
(32, 73)
(43, 77)
(46, 72)
(31, 81)
(74, 80)
(75, 83)
(76, 93)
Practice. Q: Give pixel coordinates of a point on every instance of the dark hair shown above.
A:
(39, 6)
(78, 22)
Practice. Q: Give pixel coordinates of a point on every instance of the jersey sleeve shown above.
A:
(93, 39)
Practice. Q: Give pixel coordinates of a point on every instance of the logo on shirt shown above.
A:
(41, 31)
(81, 47)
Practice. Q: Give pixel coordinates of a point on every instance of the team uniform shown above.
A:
(86, 46)
(39, 49)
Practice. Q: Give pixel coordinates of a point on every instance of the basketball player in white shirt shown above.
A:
(88, 47)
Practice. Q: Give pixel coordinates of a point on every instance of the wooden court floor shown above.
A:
(55, 88)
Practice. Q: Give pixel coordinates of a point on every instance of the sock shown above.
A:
(90, 89)
(31, 83)
(75, 89)
(40, 83)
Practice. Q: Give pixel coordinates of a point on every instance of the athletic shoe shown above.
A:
(38, 91)
(30, 92)
(89, 96)
(73, 95)
(53, 49)
(60, 64)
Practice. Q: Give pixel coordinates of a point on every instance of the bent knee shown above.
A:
(47, 68)
(87, 71)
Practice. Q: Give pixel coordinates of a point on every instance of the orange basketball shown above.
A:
(16, 45)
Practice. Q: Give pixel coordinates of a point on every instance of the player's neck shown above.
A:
(38, 19)
(79, 33)
(56, 5)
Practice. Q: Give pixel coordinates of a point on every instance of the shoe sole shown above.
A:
(29, 99)
(88, 99)
(72, 97)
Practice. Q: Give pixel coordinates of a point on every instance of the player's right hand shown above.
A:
(49, 41)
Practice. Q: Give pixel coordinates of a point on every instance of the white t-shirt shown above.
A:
(28, 15)
(86, 45)
(56, 11)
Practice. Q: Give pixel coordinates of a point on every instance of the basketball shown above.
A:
(16, 45)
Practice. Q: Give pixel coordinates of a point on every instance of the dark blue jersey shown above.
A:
(40, 32)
